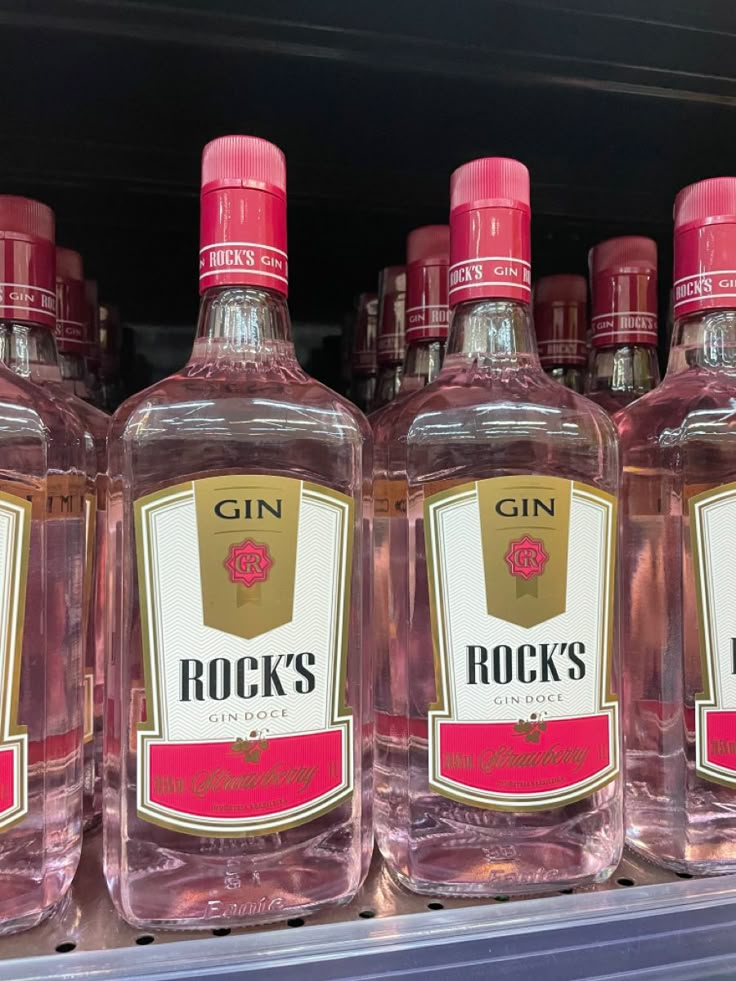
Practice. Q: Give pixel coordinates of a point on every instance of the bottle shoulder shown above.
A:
(241, 405)
(512, 403)
(694, 403)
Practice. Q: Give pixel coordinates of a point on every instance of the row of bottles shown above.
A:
(247, 618)
(612, 358)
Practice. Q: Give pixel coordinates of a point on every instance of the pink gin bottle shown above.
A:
(391, 344)
(364, 364)
(42, 494)
(497, 765)
(560, 325)
(623, 282)
(238, 722)
(427, 318)
(73, 343)
(677, 579)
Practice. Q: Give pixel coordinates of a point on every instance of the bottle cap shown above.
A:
(364, 342)
(560, 319)
(427, 260)
(71, 304)
(490, 245)
(27, 290)
(623, 282)
(705, 246)
(391, 345)
(243, 215)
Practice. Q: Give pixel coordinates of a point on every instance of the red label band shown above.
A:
(364, 362)
(20, 302)
(265, 777)
(496, 758)
(243, 239)
(391, 345)
(427, 312)
(562, 351)
(610, 329)
(490, 255)
(27, 282)
(705, 268)
(720, 739)
(71, 339)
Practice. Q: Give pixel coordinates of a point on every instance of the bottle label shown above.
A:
(427, 312)
(15, 538)
(244, 590)
(712, 523)
(521, 573)
(560, 327)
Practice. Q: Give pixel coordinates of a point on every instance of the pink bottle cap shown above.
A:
(391, 345)
(427, 260)
(92, 320)
(623, 280)
(705, 246)
(560, 319)
(490, 245)
(243, 215)
(71, 304)
(364, 342)
(27, 290)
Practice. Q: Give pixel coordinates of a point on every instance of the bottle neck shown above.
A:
(243, 324)
(626, 368)
(30, 351)
(705, 340)
(495, 334)
(423, 363)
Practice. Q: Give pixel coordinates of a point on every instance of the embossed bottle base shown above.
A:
(498, 880)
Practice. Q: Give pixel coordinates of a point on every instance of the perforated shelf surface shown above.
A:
(86, 939)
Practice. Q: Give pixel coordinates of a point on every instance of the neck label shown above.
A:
(490, 255)
(705, 268)
(244, 584)
(243, 239)
(521, 573)
(712, 523)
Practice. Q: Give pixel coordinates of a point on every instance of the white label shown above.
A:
(713, 529)
(521, 584)
(244, 585)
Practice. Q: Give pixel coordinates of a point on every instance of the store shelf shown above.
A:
(643, 919)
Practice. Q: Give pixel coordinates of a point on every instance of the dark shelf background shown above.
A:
(613, 106)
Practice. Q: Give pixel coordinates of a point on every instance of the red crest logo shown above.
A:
(526, 557)
(248, 563)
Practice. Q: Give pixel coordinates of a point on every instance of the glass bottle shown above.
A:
(391, 344)
(506, 777)
(364, 352)
(70, 385)
(427, 316)
(238, 724)
(42, 499)
(677, 576)
(623, 283)
(560, 324)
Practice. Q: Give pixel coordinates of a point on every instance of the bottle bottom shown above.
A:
(685, 866)
(28, 920)
(482, 879)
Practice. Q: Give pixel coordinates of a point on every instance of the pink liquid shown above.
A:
(39, 854)
(491, 412)
(241, 405)
(676, 441)
(33, 355)
(620, 375)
